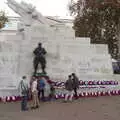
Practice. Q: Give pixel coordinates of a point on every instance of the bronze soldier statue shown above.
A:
(39, 53)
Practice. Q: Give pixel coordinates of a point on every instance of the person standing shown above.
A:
(31, 81)
(52, 92)
(75, 84)
(41, 88)
(69, 88)
(35, 94)
(24, 91)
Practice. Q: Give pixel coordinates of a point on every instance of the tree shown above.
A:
(3, 19)
(99, 20)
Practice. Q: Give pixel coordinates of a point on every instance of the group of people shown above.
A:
(71, 86)
(37, 89)
(40, 88)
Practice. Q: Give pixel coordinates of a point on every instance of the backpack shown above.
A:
(41, 84)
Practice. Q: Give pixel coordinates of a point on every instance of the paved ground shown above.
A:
(103, 108)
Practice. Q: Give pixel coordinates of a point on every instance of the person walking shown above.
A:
(24, 92)
(75, 84)
(69, 89)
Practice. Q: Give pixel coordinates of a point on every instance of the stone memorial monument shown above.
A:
(65, 53)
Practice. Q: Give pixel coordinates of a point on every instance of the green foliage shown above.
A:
(99, 20)
(3, 19)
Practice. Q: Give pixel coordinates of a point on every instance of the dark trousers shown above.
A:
(39, 94)
(75, 91)
(24, 103)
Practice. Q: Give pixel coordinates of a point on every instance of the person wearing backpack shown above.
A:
(24, 91)
(41, 87)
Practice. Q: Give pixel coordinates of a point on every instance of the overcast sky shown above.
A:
(46, 7)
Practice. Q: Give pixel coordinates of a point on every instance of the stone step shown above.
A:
(70, 48)
(83, 48)
(75, 40)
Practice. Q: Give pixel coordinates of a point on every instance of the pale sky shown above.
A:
(46, 7)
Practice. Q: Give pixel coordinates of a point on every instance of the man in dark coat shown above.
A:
(69, 89)
(75, 84)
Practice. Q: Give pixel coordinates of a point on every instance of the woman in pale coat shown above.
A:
(35, 94)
